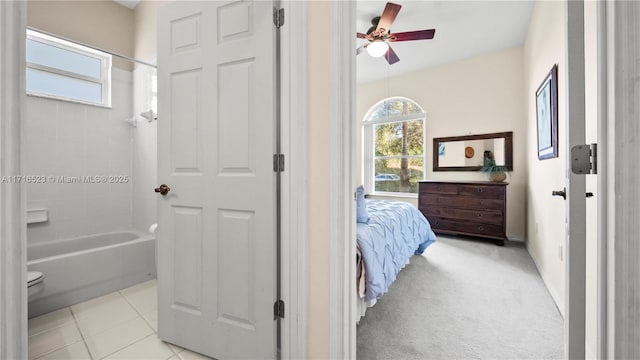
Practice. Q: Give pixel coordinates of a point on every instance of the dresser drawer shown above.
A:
(438, 188)
(481, 229)
(483, 216)
(490, 192)
(465, 227)
(438, 223)
(427, 200)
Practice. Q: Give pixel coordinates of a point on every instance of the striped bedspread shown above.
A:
(396, 230)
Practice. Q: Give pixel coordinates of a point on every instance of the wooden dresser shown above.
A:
(475, 208)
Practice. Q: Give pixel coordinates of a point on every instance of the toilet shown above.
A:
(35, 284)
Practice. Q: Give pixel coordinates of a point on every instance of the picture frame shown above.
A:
(547, 115)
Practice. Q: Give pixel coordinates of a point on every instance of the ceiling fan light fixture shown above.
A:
(377, 48)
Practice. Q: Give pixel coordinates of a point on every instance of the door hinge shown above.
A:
(278, 17)
(278, 310)
(278, 162)
(584, 159)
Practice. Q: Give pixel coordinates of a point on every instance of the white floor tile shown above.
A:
(176, 349)
(174, 357)
(117, 338)
(148, 348)
(152, 319)
(102, 314)
(97, 305)
(53, 339)
(49, 321)
(143, 296)
(77, 351)
(190, 355)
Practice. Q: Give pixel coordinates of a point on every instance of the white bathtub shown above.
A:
(82, 268)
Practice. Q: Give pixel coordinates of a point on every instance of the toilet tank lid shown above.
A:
(34, 277)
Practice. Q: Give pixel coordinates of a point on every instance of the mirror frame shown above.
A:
(508, 150)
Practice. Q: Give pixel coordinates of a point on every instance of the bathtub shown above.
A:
(82, 268)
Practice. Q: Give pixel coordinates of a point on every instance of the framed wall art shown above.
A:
(547, 115)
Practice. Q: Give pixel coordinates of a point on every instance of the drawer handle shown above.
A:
(480, 228)
(480, 190)
(479, 215)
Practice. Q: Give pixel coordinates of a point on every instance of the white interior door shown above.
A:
(575, 265)
(216, 131)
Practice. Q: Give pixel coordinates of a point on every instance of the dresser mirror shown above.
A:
(468, 153)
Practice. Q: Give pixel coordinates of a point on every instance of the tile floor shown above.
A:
(120, 325)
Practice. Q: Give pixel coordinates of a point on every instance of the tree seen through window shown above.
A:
(397, 145)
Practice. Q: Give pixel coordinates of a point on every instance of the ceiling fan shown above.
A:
(379, 35)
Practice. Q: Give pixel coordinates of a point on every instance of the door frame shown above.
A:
(604, 179)
(343, 86)
(294, 134)
(342, 132)
(13, 258)
(13, 263)
(622, 44)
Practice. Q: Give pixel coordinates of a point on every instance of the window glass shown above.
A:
(58, 58)
(43, 82)
(394, 107)
(389, 174)
(396, 146)
(60, 69)
(399, 138)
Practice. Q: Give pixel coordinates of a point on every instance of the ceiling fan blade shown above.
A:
(361, 49)
(360, 35)
(391, 56)
(413, 35)
(389, 14)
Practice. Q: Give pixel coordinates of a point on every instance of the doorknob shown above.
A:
(562, 193)
(162, 189)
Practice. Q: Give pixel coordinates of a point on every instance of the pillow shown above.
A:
(361, 208)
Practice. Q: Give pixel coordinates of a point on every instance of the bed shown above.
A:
(392, 233)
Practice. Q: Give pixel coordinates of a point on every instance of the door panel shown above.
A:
(185, 110)
(187, 224)
(216, 138)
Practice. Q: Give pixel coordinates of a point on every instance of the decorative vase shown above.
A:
(497, 176)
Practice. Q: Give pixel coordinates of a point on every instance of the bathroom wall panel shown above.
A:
(145, 146)
(75, 140)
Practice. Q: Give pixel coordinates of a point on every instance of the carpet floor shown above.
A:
(464, 299)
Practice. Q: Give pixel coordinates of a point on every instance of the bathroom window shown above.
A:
(63, 70)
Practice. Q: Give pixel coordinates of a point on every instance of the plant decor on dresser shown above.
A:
(496, 173)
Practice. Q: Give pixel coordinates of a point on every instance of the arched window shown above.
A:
(393, 156)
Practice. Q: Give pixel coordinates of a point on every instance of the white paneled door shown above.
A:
(216, 140)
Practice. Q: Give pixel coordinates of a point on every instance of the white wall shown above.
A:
(318, 185)
(70, 139)
(145, 139)
(545, 47)
(479, 95)
(101, 23)
(145, 28)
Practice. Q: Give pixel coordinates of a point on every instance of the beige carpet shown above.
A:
(464, 299)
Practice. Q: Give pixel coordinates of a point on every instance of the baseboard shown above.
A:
(547, 284)
(516, 238)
